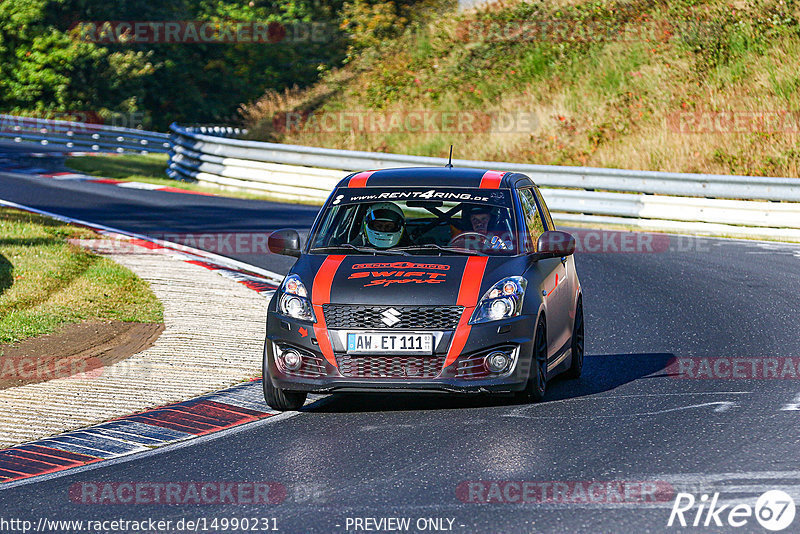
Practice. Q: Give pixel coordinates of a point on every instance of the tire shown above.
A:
(576, 366)
(537, 381)
(280, 399)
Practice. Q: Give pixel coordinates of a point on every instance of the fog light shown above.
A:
(292, 360)
(497, 362)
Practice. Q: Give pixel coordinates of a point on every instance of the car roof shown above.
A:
(433, 177)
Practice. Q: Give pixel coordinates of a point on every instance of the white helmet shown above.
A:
(383, 224)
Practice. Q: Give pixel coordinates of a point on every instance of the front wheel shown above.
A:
(277, 398)
(537, 381)
(282, 399)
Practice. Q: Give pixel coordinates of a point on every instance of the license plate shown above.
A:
(370, 343)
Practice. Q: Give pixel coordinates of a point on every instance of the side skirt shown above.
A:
(561, 362)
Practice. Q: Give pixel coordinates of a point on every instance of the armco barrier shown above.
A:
(710, 204)
(738, 206)
(78, 136)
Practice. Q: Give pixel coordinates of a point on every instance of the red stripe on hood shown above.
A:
(360, 179)
(491, 179)
(468, 295)
(321, 294)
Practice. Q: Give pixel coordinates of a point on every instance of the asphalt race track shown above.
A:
(631, 417)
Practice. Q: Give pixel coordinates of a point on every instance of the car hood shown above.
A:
(401, 280)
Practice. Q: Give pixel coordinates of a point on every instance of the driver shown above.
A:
(384, 225)
(480, 219)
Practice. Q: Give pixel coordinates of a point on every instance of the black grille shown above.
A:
(312, 367)
(472, 367)
(428, 317)
(390, 366)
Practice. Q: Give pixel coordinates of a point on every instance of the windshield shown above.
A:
(424, 221)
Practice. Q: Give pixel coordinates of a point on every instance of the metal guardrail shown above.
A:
(664, 183)
(740, 206)
(78, 136)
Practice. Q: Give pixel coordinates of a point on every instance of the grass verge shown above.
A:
(45, 281)
(684, 85)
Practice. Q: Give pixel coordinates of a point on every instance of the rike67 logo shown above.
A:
(774, 510)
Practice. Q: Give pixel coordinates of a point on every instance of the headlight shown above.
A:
(502, 301)
(293, 299)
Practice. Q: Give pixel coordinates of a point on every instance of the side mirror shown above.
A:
(286, 242)
(555, 244)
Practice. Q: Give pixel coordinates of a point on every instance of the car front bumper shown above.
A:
(513, 336)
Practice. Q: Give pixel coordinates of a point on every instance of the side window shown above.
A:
(338, 227)
(533, 220)
(545, 210)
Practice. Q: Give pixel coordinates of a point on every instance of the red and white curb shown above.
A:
(9, 166)
(135, 433)
(138, 433)
(142, 432)
(119, 183)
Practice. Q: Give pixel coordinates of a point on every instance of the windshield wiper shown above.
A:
(369, 250)
(434, 246)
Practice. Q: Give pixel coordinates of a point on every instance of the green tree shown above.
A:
(46, 66)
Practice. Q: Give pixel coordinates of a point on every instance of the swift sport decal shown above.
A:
(321, 294)
(401, 265)
(468, 295)
(386, 274)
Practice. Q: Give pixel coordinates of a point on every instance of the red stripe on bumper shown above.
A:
(467, 297)
(321, 294)
(491, 179)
